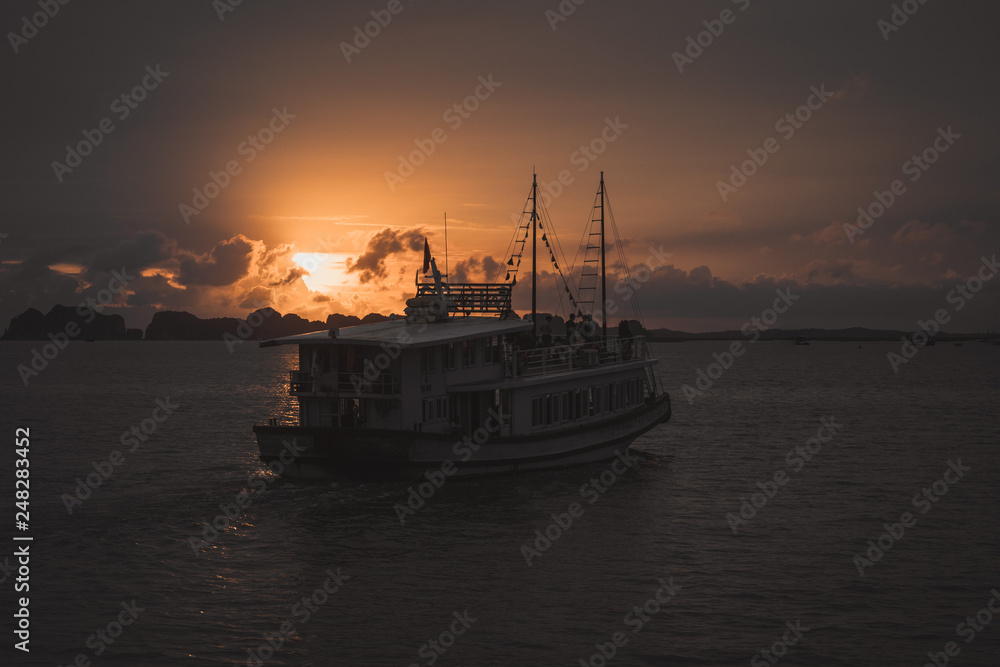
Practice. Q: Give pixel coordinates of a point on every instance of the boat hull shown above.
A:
(324, 452)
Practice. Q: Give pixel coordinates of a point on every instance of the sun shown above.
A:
(327, 270)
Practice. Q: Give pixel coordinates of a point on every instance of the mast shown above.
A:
(534, 252)
(446, 245)
(604, 273)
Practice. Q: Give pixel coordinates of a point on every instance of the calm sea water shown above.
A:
(402, 584)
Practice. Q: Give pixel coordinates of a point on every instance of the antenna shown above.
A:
(446, 272)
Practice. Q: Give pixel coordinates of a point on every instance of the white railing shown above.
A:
(563, 358)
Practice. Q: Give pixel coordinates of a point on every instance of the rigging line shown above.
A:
(509, 251)
(560, 249)
(586, 230)
(624, 259)
(551, 230)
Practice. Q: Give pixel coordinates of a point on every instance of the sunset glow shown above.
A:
(299, 152)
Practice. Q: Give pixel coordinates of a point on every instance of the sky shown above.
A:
(222, 157)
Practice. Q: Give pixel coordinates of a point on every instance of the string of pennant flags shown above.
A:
(518, 252)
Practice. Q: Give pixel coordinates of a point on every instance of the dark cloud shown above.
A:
(227, 262)
(371, 264)
(460, 274)
(293, 274)
(476, 269)
(147, 248)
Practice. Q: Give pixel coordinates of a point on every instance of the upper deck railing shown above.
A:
(471, 298)
(562, 358)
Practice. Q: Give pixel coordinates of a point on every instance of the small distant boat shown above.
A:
(801, 340)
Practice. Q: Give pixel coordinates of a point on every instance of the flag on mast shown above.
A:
(427, 256)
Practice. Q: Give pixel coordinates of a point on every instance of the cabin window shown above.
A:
(468, 354)
(450, 356)
(536, 411)
(435, 409)
(491, 350)
(428, 359)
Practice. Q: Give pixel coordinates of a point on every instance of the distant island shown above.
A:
(266, 323)
(86, 324)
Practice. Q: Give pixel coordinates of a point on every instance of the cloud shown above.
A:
(832, 234)
(914, 232)
(225, 264)
(371, 264)
(293, 274)
(146, 248)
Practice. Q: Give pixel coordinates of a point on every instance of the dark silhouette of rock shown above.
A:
(338, 321)
(63, 320)
(261, 324)
(373, 317)
(181, 325)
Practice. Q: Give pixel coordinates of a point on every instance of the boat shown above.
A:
(801, 340)
(462, 386)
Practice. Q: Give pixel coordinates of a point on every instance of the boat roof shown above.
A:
(408, 334)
